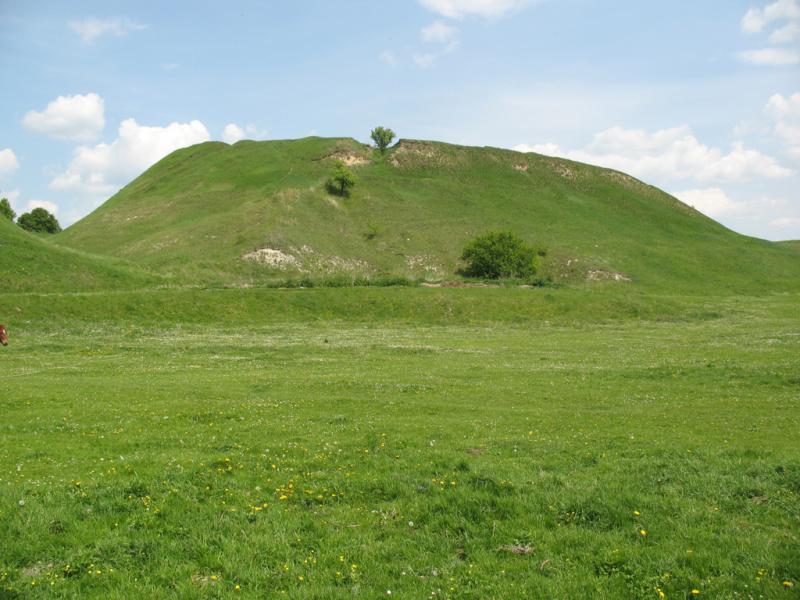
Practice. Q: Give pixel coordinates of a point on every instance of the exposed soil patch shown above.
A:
(351, 160)
(273, 258)
(36, 570)
(603, 275)
(425, 263)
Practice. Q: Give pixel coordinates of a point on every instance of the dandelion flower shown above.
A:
(788, 584)
(643, 532)
(695, 592)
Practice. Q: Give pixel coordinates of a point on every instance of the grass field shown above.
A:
(405, 443)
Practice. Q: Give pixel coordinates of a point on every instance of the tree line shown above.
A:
(38, 220)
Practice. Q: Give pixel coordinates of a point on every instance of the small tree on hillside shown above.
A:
(499, 254)
(382, 136)
(342, 179)
(39, 220)
(6, 210)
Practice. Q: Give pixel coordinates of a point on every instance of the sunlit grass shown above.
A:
(624, 459)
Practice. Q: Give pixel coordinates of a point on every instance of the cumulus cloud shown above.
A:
(756, 19)
(786, 34)
(457, 9)
(439, 33)
(668, 155)
(91, 28)
(233, 133)
(785, 112)
(104, 168)
(785, 15)
(51, 207)
(8, 163)
(771, 57)
(713, 202)
(548, 149)
(78, 118)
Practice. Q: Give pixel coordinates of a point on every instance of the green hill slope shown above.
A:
(793, 244)
(29, 263)
(256, 210)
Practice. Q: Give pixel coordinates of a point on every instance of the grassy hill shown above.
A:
(31, 263)
(793, 244)
(260, 210)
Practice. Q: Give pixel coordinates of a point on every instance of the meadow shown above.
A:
(411, 443)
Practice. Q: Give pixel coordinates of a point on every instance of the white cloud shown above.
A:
(668, 155)
(546, 149)
(51, 207)
(424, 61)
(439, 33)
(781, 108)
(756, 19)
(785, 222)
(233, 133)
(92, 28)
(387, 57)
(772, 57)
(436, 33)
(457, 9)
(104, 168)
(78, 118)
(785, 112)
(786, 34)
(710, 201)
(8, 163)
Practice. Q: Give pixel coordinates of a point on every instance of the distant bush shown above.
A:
(499, 255)
(6, 210)
(341, 179)
(39, 221)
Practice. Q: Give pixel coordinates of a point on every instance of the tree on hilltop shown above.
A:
(6, 210)
(39, 220)
(382, 136)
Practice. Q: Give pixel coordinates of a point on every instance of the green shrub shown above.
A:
(341, 179)
(6, 210)
(382, 136)
(40, 221)
(499, 254)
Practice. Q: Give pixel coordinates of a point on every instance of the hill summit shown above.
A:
(251, 211)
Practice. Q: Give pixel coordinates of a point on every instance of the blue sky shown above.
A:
(699, 98)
